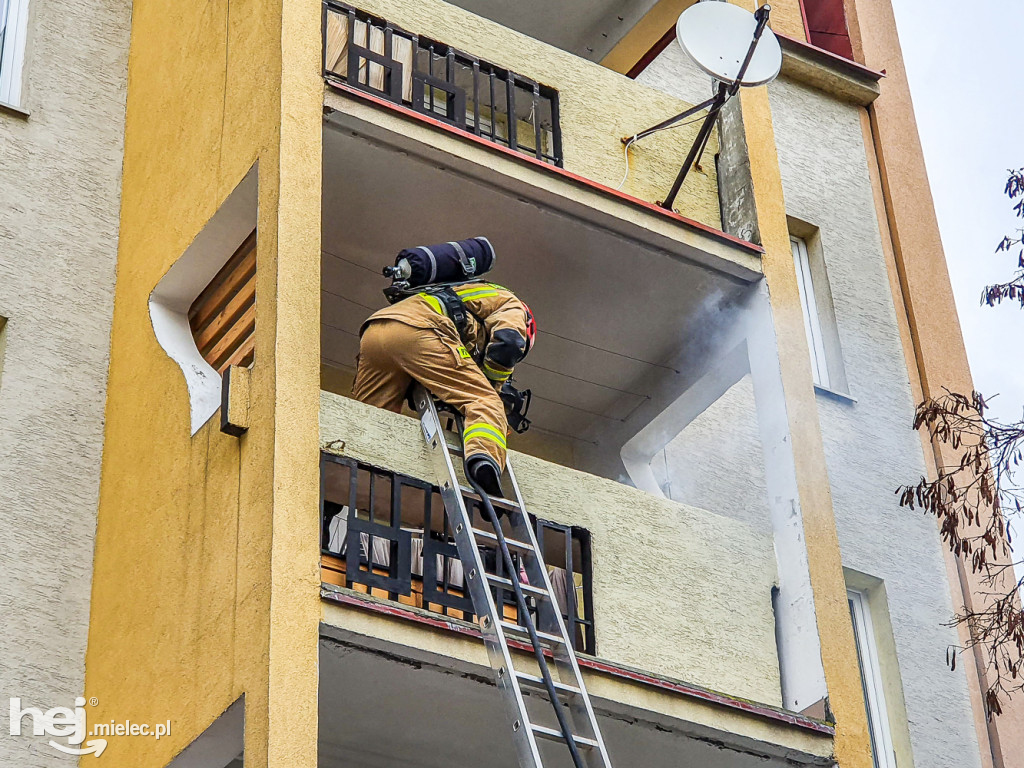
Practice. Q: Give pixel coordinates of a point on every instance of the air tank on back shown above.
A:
(453, 262)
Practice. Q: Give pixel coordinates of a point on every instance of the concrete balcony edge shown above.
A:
(724, 252)
(625, 674)
(821, 69)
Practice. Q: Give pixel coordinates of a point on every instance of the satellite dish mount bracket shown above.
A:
(726, 90)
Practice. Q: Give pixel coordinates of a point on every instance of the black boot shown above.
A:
(484, 471)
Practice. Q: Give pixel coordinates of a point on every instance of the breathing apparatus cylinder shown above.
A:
(452, 262)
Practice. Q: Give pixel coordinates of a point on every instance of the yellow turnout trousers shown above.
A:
(393, 354)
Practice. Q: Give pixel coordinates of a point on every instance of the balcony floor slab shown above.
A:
(386, 704)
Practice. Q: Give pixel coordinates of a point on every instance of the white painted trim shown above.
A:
(812, 320)
(871, 679)
(12, 57)
(640, 450)
(752, 347)
(185, 280)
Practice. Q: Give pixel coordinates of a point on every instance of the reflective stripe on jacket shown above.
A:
(491, 308)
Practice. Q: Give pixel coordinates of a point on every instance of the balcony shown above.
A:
(657, 460)
(388, 535)
(494, 87)
(684, 669)
(654, 383)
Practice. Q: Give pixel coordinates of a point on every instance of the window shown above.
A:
(871, 681)
(812, 320)
(387, 534)
(819, 312)
(3, 339)
(13, 31)
(826, 26)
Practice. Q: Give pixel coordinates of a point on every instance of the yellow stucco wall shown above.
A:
(206, 551)
(597, 106)
(670, 581)
(838, 652)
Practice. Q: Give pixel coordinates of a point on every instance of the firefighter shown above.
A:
(416, 339)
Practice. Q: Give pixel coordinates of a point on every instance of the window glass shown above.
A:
(812, 320)
(871, 681)
(3, 338)
(13, 29)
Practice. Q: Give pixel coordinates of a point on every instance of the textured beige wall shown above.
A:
(826, 183)
(677, 591)
(60, 169)
(597, 106)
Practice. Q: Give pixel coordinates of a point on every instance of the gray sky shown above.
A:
(968, 89)
(963, 61)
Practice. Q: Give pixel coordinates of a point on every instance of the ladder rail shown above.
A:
(524, 613)
(581, 728)
(494, 639)
(584, 717)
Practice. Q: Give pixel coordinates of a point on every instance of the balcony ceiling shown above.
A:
(378, 710)
(588, 28)
(620, 324)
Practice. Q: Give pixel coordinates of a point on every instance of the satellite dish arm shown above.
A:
(726, 90)
(671, 121)
(761, 14)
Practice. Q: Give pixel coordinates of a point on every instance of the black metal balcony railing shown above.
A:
(388, 533)
(433, 78)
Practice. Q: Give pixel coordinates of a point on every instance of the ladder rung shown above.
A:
(456, 449)
(527, 588)
(508, 626)
(537, 683)
(467, 491)
(493, 539)
(550, 733)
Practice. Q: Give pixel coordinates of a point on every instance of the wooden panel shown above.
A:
(232, 338)
(210, 333)
(223, 317)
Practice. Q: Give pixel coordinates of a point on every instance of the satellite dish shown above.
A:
(717, 37)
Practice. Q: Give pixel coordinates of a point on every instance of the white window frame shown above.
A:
(14, 22)
(871, 680)
(812, 320)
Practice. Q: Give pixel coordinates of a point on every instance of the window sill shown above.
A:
(832, 394)
(10, 109)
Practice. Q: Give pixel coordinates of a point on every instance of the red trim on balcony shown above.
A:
(398, 611)
(704, 229)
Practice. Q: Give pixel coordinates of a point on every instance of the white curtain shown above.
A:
(337, 52)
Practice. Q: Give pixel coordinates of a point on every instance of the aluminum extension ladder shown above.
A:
(558, 687)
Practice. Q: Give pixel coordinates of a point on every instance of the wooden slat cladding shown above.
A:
(223, 317)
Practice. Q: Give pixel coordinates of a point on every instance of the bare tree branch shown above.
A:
(973, 499)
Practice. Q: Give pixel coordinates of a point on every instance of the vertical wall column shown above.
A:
(294, 556)
(749, 346)
(814, 501)
(804, 686)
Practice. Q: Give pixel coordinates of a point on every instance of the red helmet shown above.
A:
(531, 327)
